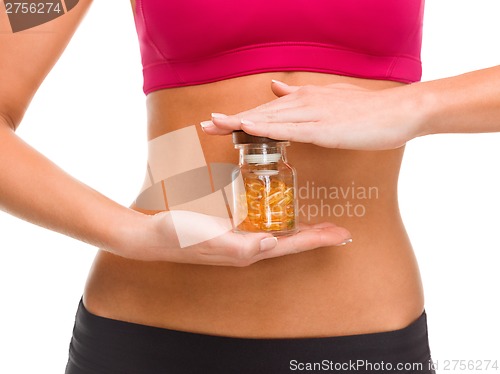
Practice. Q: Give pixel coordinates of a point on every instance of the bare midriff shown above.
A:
(370, 285)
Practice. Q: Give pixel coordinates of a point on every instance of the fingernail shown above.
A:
(247, 122)
(344, 242)
(268, 243)
(279, 82)
(218, 115)
(206, 124)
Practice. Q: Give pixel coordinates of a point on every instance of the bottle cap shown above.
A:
(241, 137)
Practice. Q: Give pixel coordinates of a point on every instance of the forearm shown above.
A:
(36, 190)
(468, 103)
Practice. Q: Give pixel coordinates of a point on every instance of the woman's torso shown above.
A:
(370, 285)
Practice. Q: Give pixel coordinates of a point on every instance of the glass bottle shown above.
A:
(264, 184)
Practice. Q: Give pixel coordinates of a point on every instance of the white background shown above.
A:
(89, 114)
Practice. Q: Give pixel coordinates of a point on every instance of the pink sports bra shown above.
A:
(188, 42)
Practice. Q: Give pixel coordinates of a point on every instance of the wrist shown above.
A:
(421, 106)
(126, 233)
(140, 236)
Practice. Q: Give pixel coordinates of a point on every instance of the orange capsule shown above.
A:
(278, 184)
(274, 197)
(272, 226)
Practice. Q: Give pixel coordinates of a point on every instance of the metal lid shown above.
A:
(241, 137)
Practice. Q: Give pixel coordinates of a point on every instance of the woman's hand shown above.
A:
(335, 116)
(160, 238)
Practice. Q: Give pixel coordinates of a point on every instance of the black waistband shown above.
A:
(111, 346)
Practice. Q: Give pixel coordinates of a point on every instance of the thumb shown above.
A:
(281, 89)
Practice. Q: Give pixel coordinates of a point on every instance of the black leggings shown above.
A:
(105, 346)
